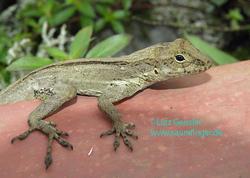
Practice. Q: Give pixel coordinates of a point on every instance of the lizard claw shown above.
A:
(48, 160)
(121, 129)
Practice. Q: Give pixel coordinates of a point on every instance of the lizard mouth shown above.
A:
(200, 69)
(202, 65)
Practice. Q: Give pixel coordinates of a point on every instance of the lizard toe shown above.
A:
(61, 133)
(109, 132)
(63, 142)
(126, 141)
(116, 143)
(123, 130)
(22, 136)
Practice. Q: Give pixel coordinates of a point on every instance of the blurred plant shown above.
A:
(218, 2)
(43, 24)
(224, 23)
(49, 39)
(78, 48)
(97, 13)
(19, 49)
(114, 18)
(235, 17)
(33, 33)
(218, 56)
(206, 16)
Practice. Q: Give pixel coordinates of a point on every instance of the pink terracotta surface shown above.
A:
(219, 99)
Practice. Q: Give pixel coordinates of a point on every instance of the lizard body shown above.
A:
(109, 79)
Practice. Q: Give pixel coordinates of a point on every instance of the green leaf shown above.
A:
(235, 14)
(28, 63)
(126, 4)
(57, 54)
(107, 1)
(102, 10)
(86, 21)
(81, 42)
(32, 13)
(47, 7)
(100, 24)
(219, 56)
(85, 8)
(117, 26)
(42, 20)
(62, 16)
(31, 22)
(120, 14)
(5, 77)
(109, 46)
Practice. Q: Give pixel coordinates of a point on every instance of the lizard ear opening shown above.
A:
(180, 58)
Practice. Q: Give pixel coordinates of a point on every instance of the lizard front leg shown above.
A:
(61, 93)
(119, 128)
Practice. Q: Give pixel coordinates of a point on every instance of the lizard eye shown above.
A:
(179, 58)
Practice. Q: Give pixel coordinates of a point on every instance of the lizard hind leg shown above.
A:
(119, 128)
(62, 93)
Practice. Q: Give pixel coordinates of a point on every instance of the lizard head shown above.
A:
(180, 57)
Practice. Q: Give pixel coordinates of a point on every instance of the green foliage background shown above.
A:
(88, 20)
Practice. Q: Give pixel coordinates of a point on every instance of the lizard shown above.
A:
(110, 79)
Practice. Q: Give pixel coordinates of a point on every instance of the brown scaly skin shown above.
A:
(109, 79)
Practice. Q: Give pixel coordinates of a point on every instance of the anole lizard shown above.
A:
(109, 79)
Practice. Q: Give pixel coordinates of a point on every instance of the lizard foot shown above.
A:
(52, 132)
(123, 130)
